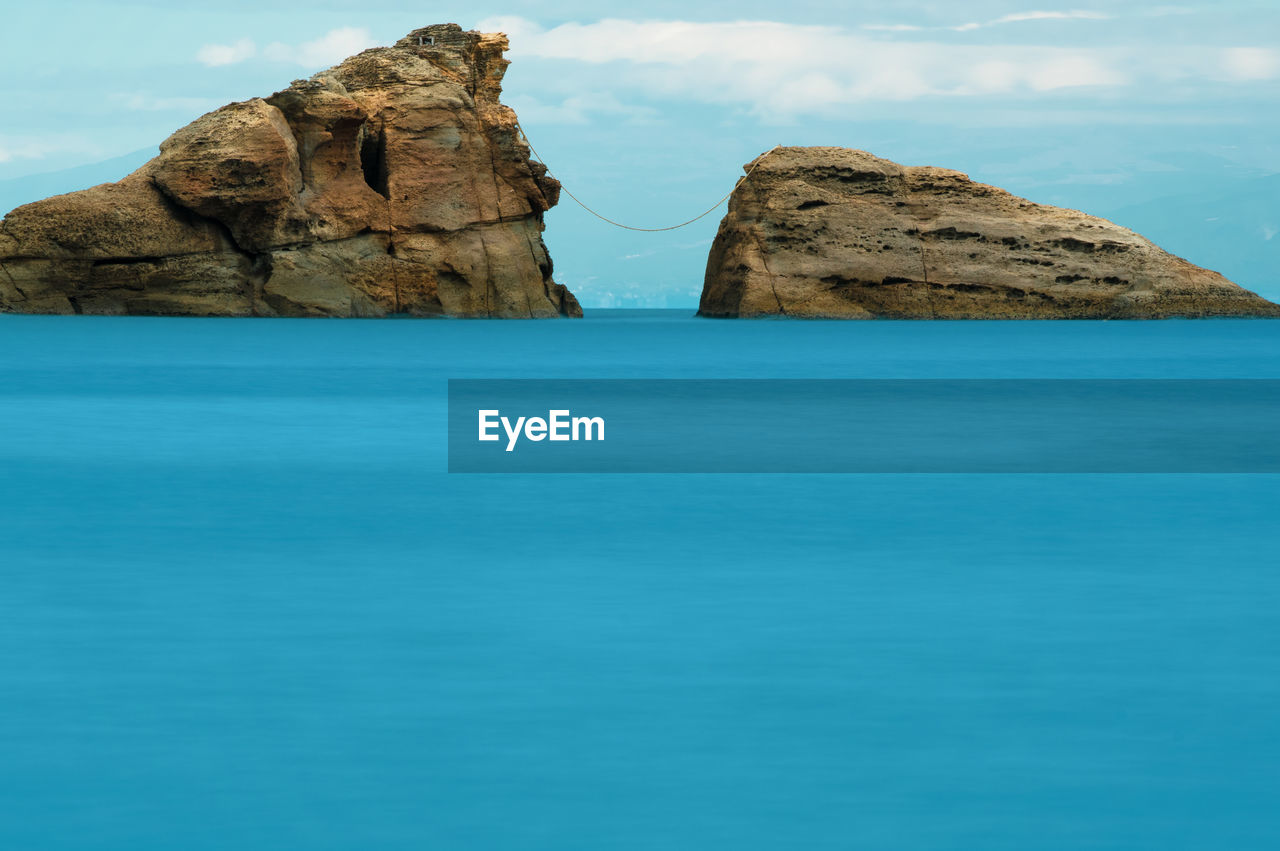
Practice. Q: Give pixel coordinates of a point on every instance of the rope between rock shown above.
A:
(603, 218)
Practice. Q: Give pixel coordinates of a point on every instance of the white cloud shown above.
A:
(1167, 11)
(143, 102)
(1251, 63)
(1073, 15)
(995, 76)
(780, 72)
(329, 49)
(1073, 71)
(578, 109)
(42, 147)
(1016, 18)
(215, 55)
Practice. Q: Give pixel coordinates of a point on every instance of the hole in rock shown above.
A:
(373, 160)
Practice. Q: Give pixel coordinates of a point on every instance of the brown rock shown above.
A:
(833, 232)
(393, 183)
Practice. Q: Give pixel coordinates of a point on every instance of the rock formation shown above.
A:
(832, 232)
(393, 183)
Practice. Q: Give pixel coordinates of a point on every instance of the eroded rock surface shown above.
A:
(393, 183)
(833, 232)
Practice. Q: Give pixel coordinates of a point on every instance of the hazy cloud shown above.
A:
(782, 71)
(143, 102)
(215, 55)
(785, 70)
(1073, 15)
(1018, 17)
(1070, 71)
(41, 147)
(893, 28)
(578, 109)
(1251, 63)
(330, 48)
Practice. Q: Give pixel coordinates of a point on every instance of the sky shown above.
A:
(1162, 117)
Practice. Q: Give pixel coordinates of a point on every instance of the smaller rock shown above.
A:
(839, 233)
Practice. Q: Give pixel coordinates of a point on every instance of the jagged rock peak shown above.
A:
(393, 183)
(840, 233)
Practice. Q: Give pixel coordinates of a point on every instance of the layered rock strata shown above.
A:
(393, 183)
(839, 233)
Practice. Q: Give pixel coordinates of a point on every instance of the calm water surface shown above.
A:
(243, 606)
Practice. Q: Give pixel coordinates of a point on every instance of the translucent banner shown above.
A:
(864, 426)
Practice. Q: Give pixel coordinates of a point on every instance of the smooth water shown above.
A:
(243, 606)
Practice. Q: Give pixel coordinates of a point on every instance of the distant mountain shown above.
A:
(17, 191)
(1234, 230)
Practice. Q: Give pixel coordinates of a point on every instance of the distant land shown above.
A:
(1234, 230)
(16, 191)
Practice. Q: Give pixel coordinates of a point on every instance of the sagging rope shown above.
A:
(603, 218)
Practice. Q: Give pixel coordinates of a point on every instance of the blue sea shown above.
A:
(244, 606)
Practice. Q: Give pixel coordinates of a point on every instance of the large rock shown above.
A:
(393, 183)
(832, 232)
